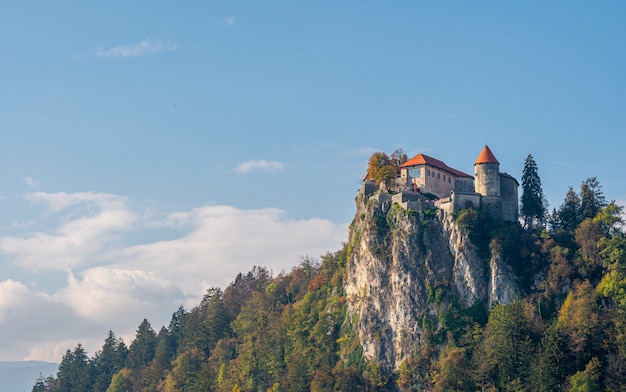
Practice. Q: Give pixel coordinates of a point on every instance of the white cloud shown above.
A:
(259, 165)
(29, 319)
(38, 326)
(141, 48)
(222, 241)
(96, 220)
(228, 21)
(103, 294)
(59, 201)
(31, 182)
(115, 285)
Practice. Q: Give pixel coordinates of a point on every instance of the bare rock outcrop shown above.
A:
(405, 267)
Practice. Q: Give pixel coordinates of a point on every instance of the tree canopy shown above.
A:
(566, 331)
(382, 167)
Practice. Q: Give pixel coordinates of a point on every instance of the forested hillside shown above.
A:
(566, 331)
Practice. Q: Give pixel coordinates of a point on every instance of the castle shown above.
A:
(425, 180)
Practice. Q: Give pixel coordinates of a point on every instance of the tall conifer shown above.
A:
(592, 197)
(533, 206)
(570, 214)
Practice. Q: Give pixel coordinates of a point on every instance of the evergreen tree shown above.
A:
(174, 330)
(164, 353)
(108, 361)
(38, 387)
(44, 384)
(142, 349)
(510, 342)
(50, 384)
(186, 374)
(550, 367)
(592, 198)
(75, 371)
(205, 324)
(241, 289)
(39, 384)
(216, 320)
(570, 213)
(533, 206)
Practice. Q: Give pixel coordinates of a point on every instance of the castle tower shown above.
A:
(487, 174)
(487, 182)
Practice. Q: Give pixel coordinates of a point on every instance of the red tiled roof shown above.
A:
(421, 159)
(486, 156)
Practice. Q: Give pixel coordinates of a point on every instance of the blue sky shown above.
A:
(154, 149)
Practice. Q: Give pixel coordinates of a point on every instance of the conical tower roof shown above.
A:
(486, 156)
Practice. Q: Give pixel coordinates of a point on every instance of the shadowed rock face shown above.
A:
(407, 266)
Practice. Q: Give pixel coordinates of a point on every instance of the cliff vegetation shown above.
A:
(415, 300)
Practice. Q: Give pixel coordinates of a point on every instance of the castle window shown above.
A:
(449, 180)
(415, 173)
(438, 176)
(427, 172)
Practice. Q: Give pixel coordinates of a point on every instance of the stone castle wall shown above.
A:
(487, 179)
(509, 197)
(495, 192)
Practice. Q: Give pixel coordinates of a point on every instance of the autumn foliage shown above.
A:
(292, 332)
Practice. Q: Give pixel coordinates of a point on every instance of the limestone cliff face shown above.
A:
(404, 267)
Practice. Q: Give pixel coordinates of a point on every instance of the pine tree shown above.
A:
(216, 320)
(569, 213)
(510, 339)
(174, 328)
(142, 349)
(39, 384)
(75, 371)
(165, 351)
(533, 204)
(592, 198)
(108, 361)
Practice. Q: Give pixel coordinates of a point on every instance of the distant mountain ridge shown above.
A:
(18, 376)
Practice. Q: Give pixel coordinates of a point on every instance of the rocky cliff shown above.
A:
(406, 267)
